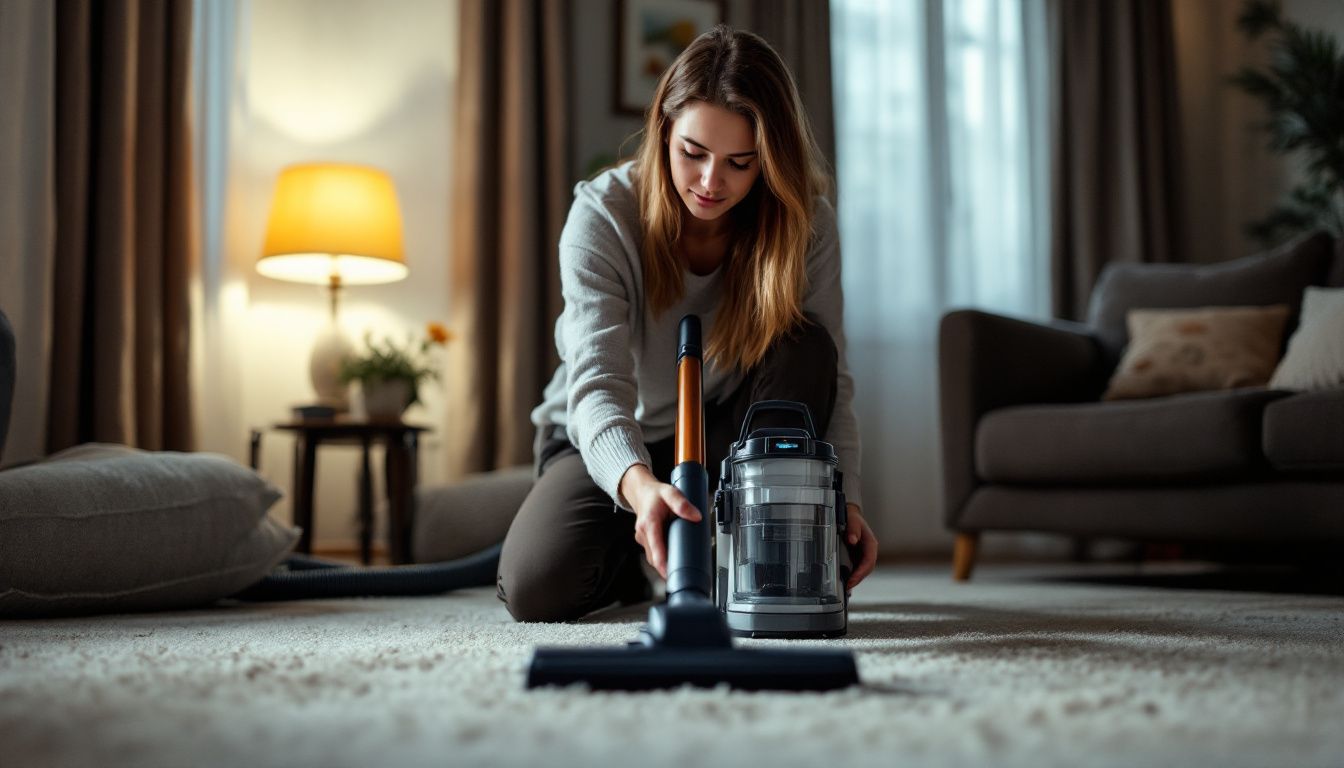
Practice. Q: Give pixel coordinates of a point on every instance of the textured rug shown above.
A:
(1021, 667)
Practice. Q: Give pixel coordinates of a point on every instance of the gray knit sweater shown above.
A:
(616, 386)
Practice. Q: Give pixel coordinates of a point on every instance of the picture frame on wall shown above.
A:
(649, 35)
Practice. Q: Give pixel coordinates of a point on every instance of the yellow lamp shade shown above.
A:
(334, 223)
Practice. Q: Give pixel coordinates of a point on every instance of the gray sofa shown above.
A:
(1029, 446)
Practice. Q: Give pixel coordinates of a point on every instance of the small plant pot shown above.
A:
(385, 399)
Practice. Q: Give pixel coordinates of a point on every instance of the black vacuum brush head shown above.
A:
(640, 668)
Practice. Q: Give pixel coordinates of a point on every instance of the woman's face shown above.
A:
(713, 158)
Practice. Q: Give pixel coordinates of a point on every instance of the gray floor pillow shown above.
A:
(462, 518)
(110, 529)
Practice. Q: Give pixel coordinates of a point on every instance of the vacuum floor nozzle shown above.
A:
(641, 668)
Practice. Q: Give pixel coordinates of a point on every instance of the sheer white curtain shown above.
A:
(219, 292)
(943, 190)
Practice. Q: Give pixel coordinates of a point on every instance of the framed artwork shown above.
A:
(649, 35)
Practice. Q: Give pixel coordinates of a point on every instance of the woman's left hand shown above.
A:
(860, 538)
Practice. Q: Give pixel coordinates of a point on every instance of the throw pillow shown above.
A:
(1190, 350)
(1315, 357)
(104, 528)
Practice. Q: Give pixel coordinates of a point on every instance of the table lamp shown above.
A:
(333, 224)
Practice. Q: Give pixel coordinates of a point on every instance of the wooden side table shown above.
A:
(400, 466)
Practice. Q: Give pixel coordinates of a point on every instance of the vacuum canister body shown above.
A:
(781, 518)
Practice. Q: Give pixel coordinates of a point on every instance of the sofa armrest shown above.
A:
(988, 361)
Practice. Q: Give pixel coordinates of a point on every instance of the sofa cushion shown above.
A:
(1278, 277)
(1315, 357)
(106, 528)
(1306, 431)
(1187, 437)
(1191, 350)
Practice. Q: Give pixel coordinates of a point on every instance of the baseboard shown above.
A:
(348, 550)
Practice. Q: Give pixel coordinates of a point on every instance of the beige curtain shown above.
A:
(124, 243)
(511, 193)
(800, 31)
(1115, 185)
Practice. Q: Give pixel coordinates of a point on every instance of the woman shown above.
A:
(722, 214)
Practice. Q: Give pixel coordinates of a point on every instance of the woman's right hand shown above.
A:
(654, 504)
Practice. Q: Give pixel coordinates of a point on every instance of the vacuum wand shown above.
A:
(688, 544)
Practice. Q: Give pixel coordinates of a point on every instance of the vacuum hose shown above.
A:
(309, 578)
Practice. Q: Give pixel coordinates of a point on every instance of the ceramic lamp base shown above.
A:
(330, 349)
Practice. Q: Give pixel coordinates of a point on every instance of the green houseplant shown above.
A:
(1302, 89)
(390, 374)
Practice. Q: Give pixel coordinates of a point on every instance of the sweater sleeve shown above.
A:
(595, 332)
(825, 299)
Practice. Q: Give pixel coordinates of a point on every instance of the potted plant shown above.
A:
(1303, 92)
(390, 374)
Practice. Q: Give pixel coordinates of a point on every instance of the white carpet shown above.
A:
(1016, 668)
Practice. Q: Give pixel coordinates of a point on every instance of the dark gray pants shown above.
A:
(568, 553)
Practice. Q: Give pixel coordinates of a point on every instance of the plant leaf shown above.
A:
(1260, 16)
(1302, 91)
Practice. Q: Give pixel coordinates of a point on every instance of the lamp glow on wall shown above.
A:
(333, 224)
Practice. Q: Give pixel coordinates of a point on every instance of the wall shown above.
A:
(346, 80)
(598, 131)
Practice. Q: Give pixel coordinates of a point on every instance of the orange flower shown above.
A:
(438, 333)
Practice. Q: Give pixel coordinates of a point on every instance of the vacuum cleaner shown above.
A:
(781, 517)
(687, 640)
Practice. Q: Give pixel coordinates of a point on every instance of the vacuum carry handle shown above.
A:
(777, 405)
(688, 337)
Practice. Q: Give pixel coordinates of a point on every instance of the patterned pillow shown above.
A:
(1191, 350)
(1315, 358)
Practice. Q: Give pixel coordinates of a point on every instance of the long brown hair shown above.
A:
(765, 271)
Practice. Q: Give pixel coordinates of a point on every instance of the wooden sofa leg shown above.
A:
(963, 555)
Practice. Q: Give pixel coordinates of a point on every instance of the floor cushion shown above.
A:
(457, 519)
(105, 528)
